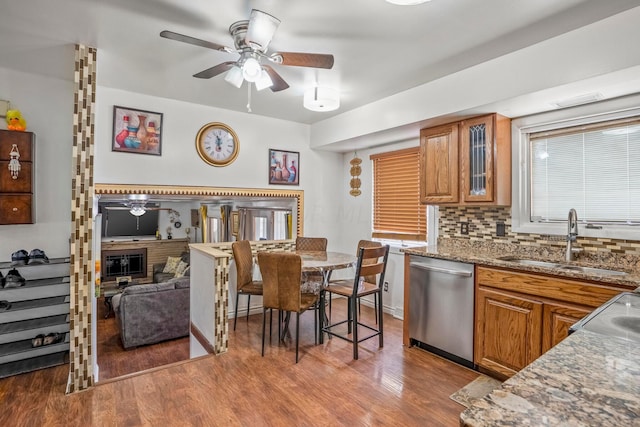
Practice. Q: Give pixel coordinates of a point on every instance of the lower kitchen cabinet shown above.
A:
(39, 308)
(557, 319)
(519, 316)
(508, 328)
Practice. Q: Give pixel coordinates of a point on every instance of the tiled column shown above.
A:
(82, 267)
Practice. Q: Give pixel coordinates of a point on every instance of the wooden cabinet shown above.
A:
(507, 330)
(467, 162)
(439, 164)
(38, 308)
(16, 194)
(519, 316)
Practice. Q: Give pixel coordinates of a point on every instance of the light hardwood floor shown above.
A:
(392, 386)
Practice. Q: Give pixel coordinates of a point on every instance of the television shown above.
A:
(121, 223)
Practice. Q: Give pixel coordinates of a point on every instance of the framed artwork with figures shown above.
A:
(284, 167)
(136, 131)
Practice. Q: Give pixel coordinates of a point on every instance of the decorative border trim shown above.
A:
(170, 190)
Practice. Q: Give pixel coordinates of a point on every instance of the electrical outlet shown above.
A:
(386, 286)
(500, 229)
(464, 228)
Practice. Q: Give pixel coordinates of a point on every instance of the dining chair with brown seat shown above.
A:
(372, 262)
(281, 278)
(245, 285)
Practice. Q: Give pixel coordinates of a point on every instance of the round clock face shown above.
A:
(217, 144)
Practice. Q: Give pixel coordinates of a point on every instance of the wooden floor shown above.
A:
(114, 361)
(393, 385)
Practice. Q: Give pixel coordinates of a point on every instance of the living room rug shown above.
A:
(476, 389)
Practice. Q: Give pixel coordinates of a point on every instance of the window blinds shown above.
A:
(595, 170)
(397, 211)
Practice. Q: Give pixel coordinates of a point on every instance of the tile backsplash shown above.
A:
(482, 223)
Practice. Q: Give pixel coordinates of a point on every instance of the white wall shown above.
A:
(47, 105)
(321, 173)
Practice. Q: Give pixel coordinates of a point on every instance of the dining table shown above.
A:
(325, 263)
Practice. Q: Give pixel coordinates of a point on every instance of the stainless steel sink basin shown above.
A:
(592, 270)
(568, 267)
(533, 262)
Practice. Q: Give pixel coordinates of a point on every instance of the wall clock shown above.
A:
(217, 144)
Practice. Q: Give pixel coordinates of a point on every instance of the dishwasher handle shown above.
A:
(426, 267)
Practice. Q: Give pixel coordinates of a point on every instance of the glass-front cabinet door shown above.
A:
(476, 159)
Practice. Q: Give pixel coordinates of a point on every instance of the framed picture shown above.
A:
(284, 167)
(136, 131)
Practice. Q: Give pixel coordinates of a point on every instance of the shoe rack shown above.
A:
(34, 330)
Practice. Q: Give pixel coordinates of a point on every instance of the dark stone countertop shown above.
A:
(586, 380)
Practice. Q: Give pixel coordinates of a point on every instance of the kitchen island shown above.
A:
(588, 379)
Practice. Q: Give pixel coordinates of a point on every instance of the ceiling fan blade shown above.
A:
(298, 59)
(278, 82)
(192, 40)
(214, 71)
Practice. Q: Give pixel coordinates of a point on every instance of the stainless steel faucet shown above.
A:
(572, 234)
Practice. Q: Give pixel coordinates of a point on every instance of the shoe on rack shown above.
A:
(37, 256)
(37, 341)
(1, 280)
(5, 305)
(20, 257)
(52, 338)
(13, 279)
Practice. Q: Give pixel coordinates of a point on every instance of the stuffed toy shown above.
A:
(15, 121)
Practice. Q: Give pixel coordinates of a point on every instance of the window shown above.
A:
(593, 169)
(397, 211)
(583, 158)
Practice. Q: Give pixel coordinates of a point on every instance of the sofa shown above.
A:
(150, 313)
(159, 276)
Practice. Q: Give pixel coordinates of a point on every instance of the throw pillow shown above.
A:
(172, 264)
(181, 268)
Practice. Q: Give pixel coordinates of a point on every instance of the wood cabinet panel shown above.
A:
(16, 209)
(22, 184)
(584, 293)
(508, 328)
(23, 141)
(439, 164)
(557, 318)
(467, 162)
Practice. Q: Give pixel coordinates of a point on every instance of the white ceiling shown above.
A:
(380, 49)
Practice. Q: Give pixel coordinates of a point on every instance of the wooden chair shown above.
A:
(244, 267)
(368, 279)
(281, 278)
(372, 261)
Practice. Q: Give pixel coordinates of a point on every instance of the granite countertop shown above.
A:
(489, 254)
(587, 379)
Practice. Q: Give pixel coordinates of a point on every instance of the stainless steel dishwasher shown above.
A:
(441, 301)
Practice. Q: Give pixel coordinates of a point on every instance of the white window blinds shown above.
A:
(594, 169)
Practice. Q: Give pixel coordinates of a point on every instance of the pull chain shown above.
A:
(249, 97)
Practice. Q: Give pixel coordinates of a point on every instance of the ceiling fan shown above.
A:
(139, 207)
(251, 39)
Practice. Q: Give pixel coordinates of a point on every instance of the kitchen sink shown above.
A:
(592, 270)
(568, 267)
(533, 262)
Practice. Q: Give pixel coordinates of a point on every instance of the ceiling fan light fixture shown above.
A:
(234, 76)
(321, 98)
(262, 27)
(137, 210)
(264, 81)
(251, 70)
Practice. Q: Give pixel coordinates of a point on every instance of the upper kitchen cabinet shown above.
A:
(467, 162)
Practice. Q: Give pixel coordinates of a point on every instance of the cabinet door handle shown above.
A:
(15, 209)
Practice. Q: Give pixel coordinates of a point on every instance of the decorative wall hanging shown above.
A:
(284, 167)
(356, 170)
(14, 164)
(137, 131)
